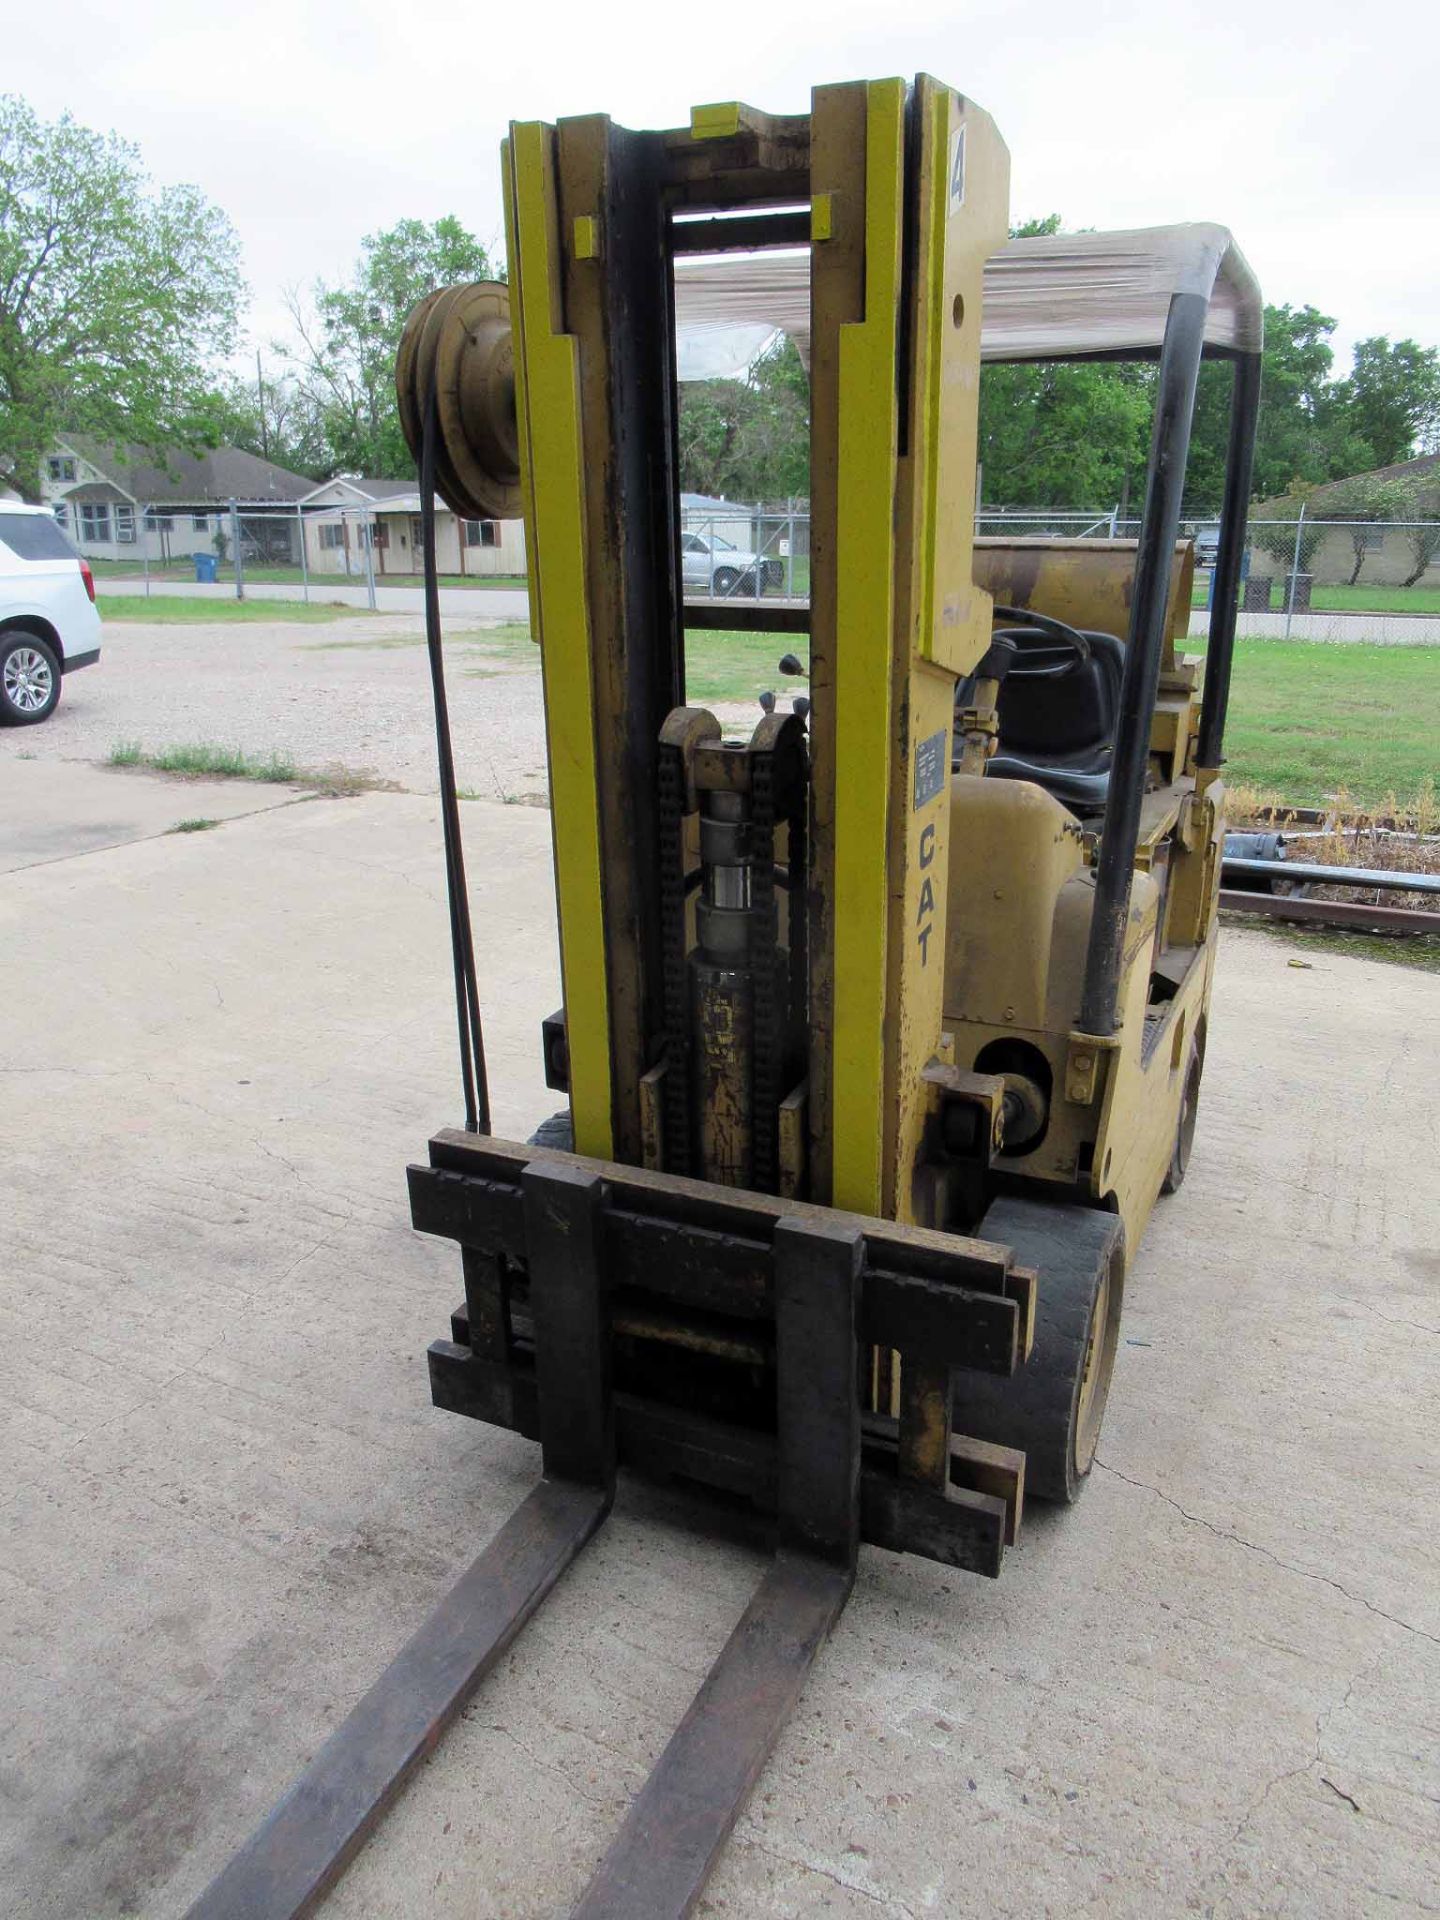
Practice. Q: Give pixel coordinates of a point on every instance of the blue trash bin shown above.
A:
(205, 568)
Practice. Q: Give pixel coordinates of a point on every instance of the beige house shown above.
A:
(343, 515)
(1389, 558)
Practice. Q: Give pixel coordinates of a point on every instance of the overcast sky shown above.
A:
(1312, 130)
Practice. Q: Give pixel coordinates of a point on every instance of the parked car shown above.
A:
(718, 567)
(1207, 546)
(49, 625)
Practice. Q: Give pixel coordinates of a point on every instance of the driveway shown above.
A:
(1207, 1690)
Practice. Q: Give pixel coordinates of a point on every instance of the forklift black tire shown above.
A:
(558, 1131)
(1052, 1406)
(1185, 1128)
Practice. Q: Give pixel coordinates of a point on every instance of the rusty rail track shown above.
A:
(1351, 915)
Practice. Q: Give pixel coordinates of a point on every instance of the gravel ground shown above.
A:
(354, 693)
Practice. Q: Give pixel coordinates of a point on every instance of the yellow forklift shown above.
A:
(883, 1026)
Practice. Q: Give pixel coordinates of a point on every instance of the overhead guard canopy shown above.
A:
(1059, 296)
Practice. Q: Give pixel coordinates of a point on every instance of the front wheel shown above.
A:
(29, 679)
(724, 581)
(1051, 1408)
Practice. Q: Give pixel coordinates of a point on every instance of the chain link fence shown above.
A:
(743, 552)
(310, 548)
(746, 553)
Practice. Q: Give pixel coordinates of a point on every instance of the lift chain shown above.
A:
(675, 974)
(765, 1089)
(795, 1042)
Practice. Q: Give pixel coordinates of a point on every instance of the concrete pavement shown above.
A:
(1210, 1689)
(58, 810)
(1335, 629)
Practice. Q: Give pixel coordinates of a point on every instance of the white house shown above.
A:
(729, 520)
(122, 503)
(342, 514)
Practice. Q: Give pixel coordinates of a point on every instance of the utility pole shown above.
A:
(237, 557)
(260, 390)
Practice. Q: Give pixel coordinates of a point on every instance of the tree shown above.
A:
(749, 439)
(1423, 539)
(1063, 433)
(1412, 499)
(1307, 433)
(1392, 398)
(117, 298)
(345, 356)
(1362, 501)
(275, 416)
(1298, 437)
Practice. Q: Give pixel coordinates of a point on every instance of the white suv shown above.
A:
(49, 625)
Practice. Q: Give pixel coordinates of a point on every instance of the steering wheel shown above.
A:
(1039, 635)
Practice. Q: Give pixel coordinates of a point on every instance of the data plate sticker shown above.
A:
(932, 765)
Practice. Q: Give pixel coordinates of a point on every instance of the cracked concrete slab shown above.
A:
(61, 809)
(1209, 1689)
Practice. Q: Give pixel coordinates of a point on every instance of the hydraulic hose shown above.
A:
(474, 1080)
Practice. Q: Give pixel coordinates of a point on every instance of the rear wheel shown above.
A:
(1189, 1109)
(1053, 1406)
(29, 679)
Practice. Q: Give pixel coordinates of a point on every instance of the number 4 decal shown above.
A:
(957, 170)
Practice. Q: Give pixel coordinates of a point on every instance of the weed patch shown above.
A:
(202, 760)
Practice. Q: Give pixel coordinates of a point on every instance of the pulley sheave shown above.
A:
(458, 340)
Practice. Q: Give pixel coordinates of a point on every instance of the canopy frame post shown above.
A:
(1220, 649)
(1145, 643)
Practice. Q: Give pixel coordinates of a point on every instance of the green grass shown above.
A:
(1310, 721)
(1363, 599)
(168, 610)
(204, 759)
(1306, 720)
(725, 665)
(1357, 599)
(194, 826)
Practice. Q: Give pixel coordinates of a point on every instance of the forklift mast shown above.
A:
(901, 195)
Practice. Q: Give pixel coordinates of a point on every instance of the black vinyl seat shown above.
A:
(1057, 708)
